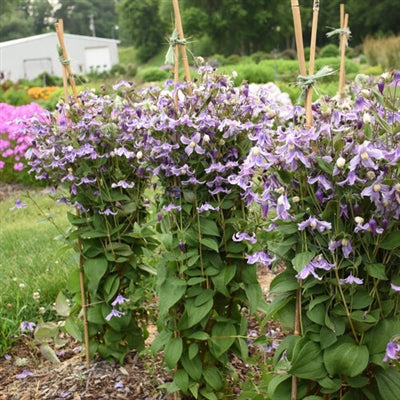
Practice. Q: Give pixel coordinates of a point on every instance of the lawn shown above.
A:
(32, 270)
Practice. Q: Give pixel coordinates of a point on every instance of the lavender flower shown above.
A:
(171, 206)
(192, 144)
(365, 154)
(18, 205)
(350, 280)
(114, 313)
(27, 326)
(24, 374)
(395, 287)
(391, 351)
(206, 207)
(314, 223)
(123, 184)
(120, 300)
(108, 211)
(238, 237)
(260, 257)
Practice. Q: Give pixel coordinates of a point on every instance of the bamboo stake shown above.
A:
(343, 40)
(299, 37)
(178, 24)
(308, 101)
(66, 70)
(66, 67)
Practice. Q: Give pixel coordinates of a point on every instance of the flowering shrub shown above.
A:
(101, 159)
(14, 141)
(41, 93)
(333, 198)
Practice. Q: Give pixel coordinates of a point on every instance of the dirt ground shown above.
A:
(25, 374)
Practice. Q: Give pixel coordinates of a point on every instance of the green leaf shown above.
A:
(391, 241)
(170, 292)
(307, 360)
(346, 358)
(254, 295)
(203, 297)
(196, 314)
(181, 380)
(193, 350)
(160, 341)
(95, 315)
(193, 367)
(284, 282)
(93, 234)
(223, 335)
(377, 271)
(199, 335)
(173, 351)
(300, 260)
(73, 283)
(95, 269)
(317, 314)
(61, 306)
(46, 330)
(327, 337)
(213, 377)
(378, 337)
(72, 328)
(210, 243)
(209, 227)
(388, 381)
(48, 353)
(111, 286)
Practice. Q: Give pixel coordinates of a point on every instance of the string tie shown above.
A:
(307, 81)
(63, 61)
(341, 32)
(173, 41)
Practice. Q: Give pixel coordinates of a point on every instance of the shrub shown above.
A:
(118, 70)
(330, 50)
(288, 54)
(153, 74)
(261, 55)
(384, 51)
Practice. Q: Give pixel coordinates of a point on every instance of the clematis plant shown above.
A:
(332, 192)
(207, 278)
(98, 158)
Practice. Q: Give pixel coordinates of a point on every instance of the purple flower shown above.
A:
(120, 300)
(395, 287)
(7, 357)
(282, 206)
(238, 237)
(206, 207)
(181, 246)
(307, 271)
(365, 156)
(118, 385)
(27, 326)
(123, 184)
(391, 351)
(260, 257)
(368, 227)
(64, 394)
(347, 249)
(24, 374)
(192, 144)
(171, 206)
(18, 205)
(107, 211)
(114, 313)
(314, 223)
(350, 280)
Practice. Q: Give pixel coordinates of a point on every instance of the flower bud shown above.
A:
(340, 162)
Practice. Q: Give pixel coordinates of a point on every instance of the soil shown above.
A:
(25, 374)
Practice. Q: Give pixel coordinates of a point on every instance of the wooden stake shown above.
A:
(308, 100)
(343, 40)
(66, 67)
(67, 72)
(178, 24)
(299, 37)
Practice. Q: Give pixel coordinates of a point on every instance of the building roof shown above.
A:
(51, 34)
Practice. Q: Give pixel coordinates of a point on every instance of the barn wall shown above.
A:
(28, 57)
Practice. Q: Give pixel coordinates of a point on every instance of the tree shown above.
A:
(142, 26)
(78, 16)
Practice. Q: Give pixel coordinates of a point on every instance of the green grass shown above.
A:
(29, 262)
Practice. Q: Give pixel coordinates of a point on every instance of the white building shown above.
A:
(30, 56)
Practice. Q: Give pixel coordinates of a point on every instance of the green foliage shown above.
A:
(153, 74)
(329, 50)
